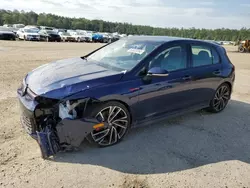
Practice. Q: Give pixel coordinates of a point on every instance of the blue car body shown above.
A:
(97, 37)
(183, 90)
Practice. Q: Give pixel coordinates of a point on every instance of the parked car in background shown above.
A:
(114, 37)
(60, 30)
(66, 37)
(97, 37)
(28, 34)
(78, 36)
(49, 35)
(18, 26)
(87, 35)
(47, 28)
(101, 95)
(33, 27)
(8, 25)
(6, 34)
(107, 37)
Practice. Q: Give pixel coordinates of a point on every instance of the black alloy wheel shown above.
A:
(116, 119)
(221, 98)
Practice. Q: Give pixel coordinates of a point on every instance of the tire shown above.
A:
(220, 99)
(24, 38)
(78, 40)
(241, 49)
(112, 133)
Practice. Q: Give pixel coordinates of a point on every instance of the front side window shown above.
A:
(123, 54)
(204, 55)
(171, 59)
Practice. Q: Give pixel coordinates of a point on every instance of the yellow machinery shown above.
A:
(244, 46)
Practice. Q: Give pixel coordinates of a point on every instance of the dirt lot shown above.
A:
(195, 150)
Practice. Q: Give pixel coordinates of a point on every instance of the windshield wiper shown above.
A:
(84, 58)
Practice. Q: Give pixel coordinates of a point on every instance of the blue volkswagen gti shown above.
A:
(135, 81)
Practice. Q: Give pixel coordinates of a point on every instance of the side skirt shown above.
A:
(162, 117)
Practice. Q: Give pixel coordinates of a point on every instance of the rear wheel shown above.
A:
(221, 98)
(241, 49)
(117, 121)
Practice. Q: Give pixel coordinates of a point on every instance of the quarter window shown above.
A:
(203, 55)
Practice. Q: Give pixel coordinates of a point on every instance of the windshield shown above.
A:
(31, 30)
(124, 54)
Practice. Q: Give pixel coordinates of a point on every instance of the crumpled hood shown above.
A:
(73, 75)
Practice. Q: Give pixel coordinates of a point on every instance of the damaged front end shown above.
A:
(59, 125)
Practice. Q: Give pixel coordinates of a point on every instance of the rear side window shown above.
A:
(204, 55)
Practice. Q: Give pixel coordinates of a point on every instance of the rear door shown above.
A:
(206, 72)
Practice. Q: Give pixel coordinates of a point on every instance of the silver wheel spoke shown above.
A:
(119, 125)
(113, 132)
(110, 120)
(123, 119)
(223, 90)
(100, 113)
(225, 97)
(111, 111)
(223, 103)
(217, 103)
(101, 137)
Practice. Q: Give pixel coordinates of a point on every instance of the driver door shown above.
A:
(166, 94)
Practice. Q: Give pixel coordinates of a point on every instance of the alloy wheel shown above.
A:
(116, 124)
(221, 98)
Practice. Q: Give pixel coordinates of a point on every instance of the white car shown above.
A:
(28, 34)
(18, 26)
(88, 35)
(78, 36)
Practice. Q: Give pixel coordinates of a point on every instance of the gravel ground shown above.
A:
(195, 150)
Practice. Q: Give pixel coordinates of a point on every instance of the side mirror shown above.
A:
(157, 71)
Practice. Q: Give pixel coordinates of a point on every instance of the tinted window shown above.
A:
(171, 59)
(203, 55)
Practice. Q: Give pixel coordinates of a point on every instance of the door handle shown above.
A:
(187, 77)
(217, 72)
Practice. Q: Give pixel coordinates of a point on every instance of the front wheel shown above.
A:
(117, 121)
(221, 98)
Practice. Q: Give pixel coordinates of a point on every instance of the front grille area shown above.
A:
(33, 36)
(28, 124)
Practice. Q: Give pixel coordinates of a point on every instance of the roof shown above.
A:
(158, 38)
(168, 39)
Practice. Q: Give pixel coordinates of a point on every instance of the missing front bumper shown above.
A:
(68, 133)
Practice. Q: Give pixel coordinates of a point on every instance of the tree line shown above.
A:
(32, 18)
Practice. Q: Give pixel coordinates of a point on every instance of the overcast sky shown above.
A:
(162, 13)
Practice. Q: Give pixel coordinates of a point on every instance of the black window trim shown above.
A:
(205, 45)
(160, 49)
